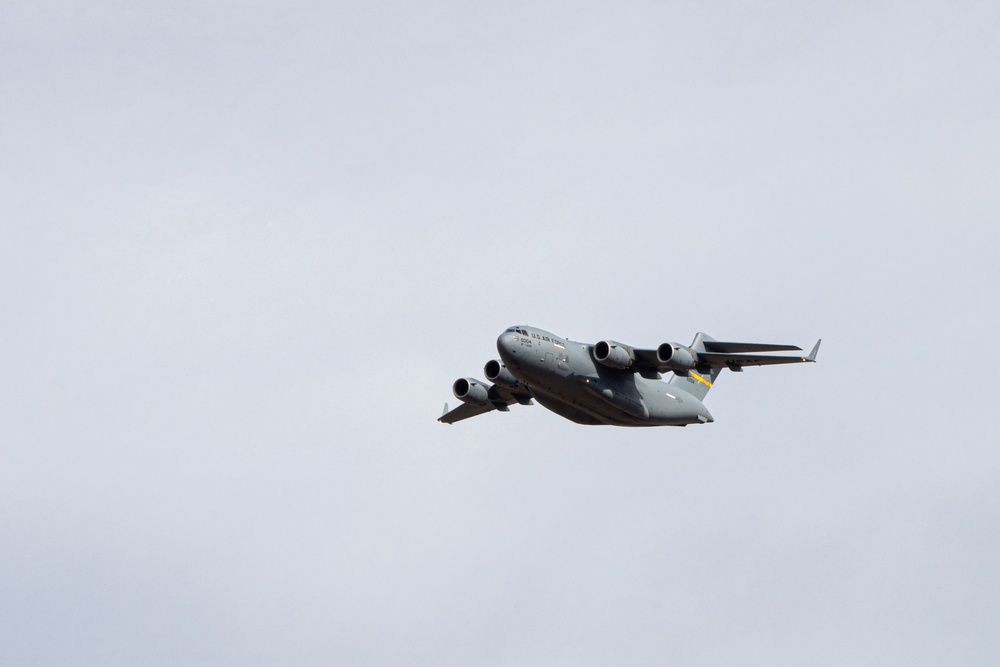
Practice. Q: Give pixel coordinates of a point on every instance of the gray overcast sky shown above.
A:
(245, 248)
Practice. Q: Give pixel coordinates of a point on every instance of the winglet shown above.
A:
(812, 355)
(443, 413)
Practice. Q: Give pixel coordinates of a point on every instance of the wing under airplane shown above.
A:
(497, 397)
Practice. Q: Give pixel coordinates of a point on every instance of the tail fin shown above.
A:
(695, 383)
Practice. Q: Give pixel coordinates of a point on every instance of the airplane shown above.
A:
(608, 382)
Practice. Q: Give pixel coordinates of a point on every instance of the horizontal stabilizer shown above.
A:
(732, 348)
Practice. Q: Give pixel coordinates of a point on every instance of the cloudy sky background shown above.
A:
(246, 247)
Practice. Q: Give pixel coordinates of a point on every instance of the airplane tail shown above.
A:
(695, 382)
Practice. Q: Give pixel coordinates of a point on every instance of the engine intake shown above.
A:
(498, 374)
(469, 390)
(676, 356)
(613, 355)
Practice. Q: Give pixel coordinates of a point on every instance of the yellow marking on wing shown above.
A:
(700, 379)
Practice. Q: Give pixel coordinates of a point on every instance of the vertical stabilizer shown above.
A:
(696, 383)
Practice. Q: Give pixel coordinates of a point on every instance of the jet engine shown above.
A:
(613, 355)
(468, 390)
(676, 356)
(498, 374)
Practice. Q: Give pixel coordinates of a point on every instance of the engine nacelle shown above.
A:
(498, 374)
(468, 390)
(677, 356)
(613, 355)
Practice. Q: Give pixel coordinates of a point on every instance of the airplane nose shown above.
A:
(507, 347)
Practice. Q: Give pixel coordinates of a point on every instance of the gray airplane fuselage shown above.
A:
(564, 377)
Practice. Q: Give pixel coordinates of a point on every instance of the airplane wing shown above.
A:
(731, 348)
(500, 398)
(719, 354)
(464, 411)
(735, 361)
(718, 360)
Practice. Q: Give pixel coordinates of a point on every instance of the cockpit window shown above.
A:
(512, 330)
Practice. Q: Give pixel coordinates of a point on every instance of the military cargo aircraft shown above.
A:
(608, 382)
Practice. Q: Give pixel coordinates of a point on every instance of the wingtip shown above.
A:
(812, 355)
